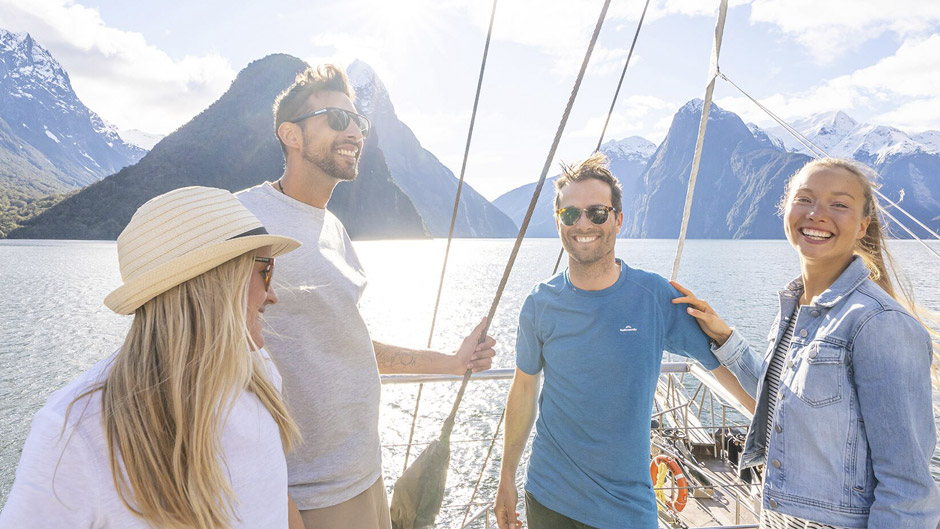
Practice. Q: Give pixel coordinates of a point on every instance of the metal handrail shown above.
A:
(507, 374)
(712, 383)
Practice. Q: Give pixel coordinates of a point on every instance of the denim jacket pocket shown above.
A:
(818, 378)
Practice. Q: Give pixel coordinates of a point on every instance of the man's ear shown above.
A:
(290, 135)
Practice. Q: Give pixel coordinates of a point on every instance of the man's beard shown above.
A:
(327, 163)
(590, 258)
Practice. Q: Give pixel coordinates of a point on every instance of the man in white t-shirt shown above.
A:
(319, 340)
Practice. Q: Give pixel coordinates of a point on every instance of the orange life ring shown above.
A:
(679, 500)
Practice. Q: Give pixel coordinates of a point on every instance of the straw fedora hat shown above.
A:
(176, 236)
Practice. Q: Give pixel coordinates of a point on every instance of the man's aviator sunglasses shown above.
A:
(338, 118)
(267, 272)
(597, 214)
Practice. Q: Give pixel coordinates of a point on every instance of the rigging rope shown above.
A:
(449, 422)
(819, 152)
(489, 452)
(699, 142)
(613, 103)
(453, 217)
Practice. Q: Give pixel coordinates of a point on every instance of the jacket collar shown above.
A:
(851, 278)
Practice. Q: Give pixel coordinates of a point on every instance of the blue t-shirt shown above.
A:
(601, 352)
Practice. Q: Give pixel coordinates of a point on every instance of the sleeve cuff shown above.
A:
(728, 352)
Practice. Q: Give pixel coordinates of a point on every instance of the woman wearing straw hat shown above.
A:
(184, 425)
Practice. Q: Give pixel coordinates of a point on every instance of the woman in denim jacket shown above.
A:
(844, 419)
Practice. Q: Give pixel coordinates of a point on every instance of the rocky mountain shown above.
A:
(50, 143)
(741, 178)
(766, 139)
(230, 145)
(430, 185)
(46, 125)
(912, 180)
(628, 158)
(744, 170)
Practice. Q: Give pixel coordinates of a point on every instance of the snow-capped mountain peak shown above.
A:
(144, 140)
(841, 136)
(765, 137)
(370, 90)
(633, 147)
(25, 60)
(42, 110)
(929, 140)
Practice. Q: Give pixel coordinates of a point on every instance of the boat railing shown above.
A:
(673, 405)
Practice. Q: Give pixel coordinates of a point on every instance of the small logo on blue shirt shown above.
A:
(628, 328)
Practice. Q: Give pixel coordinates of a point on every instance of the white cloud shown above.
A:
(914, 116)
(634, 115)
(116, 73)
(904, 82)
(561, 29)
(827, 28)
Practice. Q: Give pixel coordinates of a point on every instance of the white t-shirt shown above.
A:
(64, 477)
(322, 347)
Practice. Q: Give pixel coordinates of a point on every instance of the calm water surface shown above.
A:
(53, 324)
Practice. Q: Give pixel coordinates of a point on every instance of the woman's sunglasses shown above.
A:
(597, 214)
(267, 272)
(339, 118)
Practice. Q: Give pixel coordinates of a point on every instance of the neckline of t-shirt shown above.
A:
(271, 189)
(602, 292)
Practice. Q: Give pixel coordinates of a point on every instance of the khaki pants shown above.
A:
(368, 510)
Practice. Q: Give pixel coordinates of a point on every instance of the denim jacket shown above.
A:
(854, 429)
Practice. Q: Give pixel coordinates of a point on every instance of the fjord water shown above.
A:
(53, 324)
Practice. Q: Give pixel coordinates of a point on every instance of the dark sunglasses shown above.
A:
(338, 118)
(267, 272)
(597, 214)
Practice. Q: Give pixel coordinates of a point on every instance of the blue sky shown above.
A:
(154, 65)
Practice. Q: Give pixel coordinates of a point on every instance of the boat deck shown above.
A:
(729, 503)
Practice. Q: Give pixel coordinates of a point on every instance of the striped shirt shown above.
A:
(771, 519)
(775, 373)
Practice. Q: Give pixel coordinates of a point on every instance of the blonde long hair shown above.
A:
(187, 357)
(871, 248)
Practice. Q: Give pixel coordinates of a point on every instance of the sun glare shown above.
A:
(400, 20)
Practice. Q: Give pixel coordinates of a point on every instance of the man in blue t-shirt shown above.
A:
(597, 331)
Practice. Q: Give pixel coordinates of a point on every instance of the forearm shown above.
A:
(392, 359)
(520, 416)
(727, 379)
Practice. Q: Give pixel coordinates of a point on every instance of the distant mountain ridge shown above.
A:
(744, 170)
(230, 145)
(841, 136)
(51, 144)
